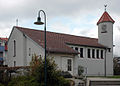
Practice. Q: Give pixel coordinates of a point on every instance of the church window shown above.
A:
(109, 49)
(14, 48)
(14, 63)
(93, 53)
(88, 53)
(29, 51)
(69, 65)
(101, 54)
(97, 53)
(81, 52)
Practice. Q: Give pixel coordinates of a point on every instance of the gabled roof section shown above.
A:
(57, 42)
(105, 18)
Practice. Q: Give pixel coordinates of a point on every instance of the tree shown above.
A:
(35, 76)
(116, 65)
(54, 77)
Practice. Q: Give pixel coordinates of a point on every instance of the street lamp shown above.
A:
(39, 22)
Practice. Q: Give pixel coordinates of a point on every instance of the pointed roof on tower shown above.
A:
(105, 18)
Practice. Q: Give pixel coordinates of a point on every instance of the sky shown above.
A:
(76, 17)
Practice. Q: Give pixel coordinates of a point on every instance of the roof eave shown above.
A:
(105, 21)
(88, 45)
(58, 52)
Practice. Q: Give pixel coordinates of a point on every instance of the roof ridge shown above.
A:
(57, 33)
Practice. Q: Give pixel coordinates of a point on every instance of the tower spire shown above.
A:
(105, 7)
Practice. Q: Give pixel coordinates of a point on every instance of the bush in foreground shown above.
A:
(36, 77)
(54, 77)
(23, 81)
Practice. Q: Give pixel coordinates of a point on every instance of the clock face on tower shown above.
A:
(104, 28)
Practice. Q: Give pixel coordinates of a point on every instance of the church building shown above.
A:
(69, 51)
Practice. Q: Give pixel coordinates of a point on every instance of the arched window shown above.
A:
(29, 51)
(14, 48)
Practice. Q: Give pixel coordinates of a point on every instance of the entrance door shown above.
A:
(70, 65)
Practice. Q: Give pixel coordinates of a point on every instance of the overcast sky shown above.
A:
(77, 17)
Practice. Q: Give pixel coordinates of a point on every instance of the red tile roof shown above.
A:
(105, 18)
(5, 39)
(57, 42)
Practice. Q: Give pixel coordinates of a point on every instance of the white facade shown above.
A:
(92, 66)
(23, 45)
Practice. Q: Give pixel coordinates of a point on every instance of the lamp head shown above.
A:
(38, 22)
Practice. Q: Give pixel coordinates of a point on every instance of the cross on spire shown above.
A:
(16, 22)
(105, 7)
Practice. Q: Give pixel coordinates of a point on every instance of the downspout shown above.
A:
(105, 62)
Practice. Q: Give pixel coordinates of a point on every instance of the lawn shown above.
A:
(116, 76)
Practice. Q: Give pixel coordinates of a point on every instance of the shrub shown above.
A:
(23, 81)
(66, 74)
(54, 77)
(36, 74)
(1, 84)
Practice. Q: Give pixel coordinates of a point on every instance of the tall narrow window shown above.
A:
(101, 54)
(69, 65)
(97, 52)
(29, 51)
(14, 48)
(88, 53)
(109, 49)
(81, 52)
(14, 63)
(93, 53)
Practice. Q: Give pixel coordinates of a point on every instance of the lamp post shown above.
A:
(39, 22)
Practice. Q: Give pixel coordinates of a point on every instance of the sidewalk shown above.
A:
(99, 81)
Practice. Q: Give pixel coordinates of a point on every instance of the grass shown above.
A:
(116, 76)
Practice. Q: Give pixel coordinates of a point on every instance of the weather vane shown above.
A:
(105, 7)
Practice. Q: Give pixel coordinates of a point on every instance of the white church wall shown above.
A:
(18, 59)
(31, 49)
(23, 43)
(106, 39)
(93, 66)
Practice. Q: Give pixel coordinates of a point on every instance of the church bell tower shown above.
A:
(105, 37)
